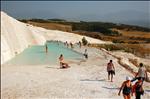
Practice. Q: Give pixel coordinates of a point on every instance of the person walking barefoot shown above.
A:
(110, 70)
(127, 88)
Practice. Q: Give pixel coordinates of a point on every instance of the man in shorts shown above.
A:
(110, 70)
(141, 74)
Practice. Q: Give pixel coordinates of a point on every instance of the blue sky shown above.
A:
(111, 11)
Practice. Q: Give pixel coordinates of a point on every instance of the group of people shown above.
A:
(61, 58)
(137, 88)
(72, 45)
(67, 44)
(64, 64)
(127, 88)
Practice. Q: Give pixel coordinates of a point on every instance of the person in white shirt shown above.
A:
(141, 74)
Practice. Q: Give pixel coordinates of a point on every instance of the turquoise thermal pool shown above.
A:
(36, 55)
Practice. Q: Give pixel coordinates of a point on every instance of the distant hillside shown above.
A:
(117, 33)
(59, 20)
(103, 27)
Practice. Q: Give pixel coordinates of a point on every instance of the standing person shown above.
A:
(110, 70)
(138, 88)
(127, 88)
(46, 48)
(71, 45)
(66, 43)
(62, 63)
(141, 74)
(85, 54)
(79, 44)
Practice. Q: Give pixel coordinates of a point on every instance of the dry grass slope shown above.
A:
(52, 26)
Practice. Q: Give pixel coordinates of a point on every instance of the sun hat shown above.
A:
(128, 78)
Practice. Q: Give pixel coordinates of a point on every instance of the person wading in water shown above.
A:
(46, 48)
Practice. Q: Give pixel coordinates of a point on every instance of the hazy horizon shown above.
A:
(126, 12)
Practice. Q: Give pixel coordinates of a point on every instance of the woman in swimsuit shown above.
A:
(126, 87)
(62, 63)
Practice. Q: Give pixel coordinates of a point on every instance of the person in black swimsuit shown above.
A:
(127, 87)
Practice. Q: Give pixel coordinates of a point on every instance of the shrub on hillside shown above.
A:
(24, 20)
(55, 19)
(118, 41)
(39, 20)
(84, 41)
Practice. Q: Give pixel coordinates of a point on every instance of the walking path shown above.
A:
(85, 80)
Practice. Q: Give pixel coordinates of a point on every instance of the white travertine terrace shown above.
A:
(16, 36)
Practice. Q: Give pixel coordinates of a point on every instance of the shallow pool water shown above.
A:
(36, 55)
